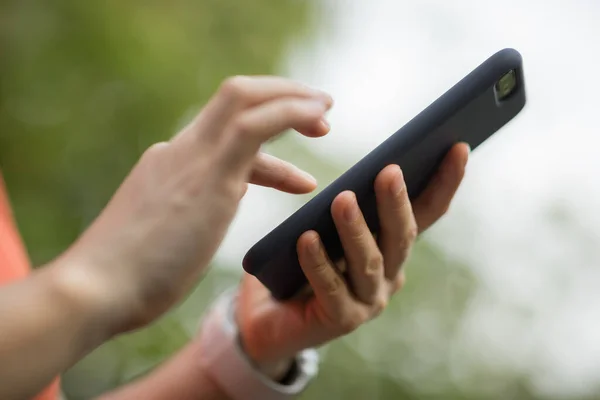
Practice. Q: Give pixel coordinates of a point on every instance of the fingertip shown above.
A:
(307, 240)
(307, 183)
(312, 235)
(467, 153)
(341, 202)
(468, 147)
(307, 187)
(463, 146)
(319, 129)
(327, 99)
(309, 112)
(324, 127)
(464, 150)
(386, 177)
(344, 197)
(455, 162)
(463, 157)
(391, 171)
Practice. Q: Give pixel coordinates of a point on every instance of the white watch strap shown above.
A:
(226, 363)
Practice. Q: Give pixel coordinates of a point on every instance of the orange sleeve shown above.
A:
(14, 264)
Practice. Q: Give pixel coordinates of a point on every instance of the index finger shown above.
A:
(248, 91)
(251, 128)
(241, 92)
(327, 284)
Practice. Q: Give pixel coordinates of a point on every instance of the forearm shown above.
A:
(189, 376)
(181, 377)
(44, 330)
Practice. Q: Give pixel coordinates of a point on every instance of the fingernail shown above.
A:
(397, 185)
(468, 147)
(318, 105)
(351, 211)
(327, 99)
(324, 125)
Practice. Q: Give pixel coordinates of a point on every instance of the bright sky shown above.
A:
(384, 61)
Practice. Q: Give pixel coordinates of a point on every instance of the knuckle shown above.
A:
(154, 153)
(357, 234)
(374, 264)
(155, 150)
(241, 127)
(409, 236)
(235, 87)
(412, 232)
(342, 266)
(332, 283)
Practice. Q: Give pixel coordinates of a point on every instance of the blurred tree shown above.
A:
(87, 86)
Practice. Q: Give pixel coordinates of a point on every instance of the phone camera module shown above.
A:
(506, 85)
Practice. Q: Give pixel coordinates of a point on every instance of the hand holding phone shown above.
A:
(472, 111)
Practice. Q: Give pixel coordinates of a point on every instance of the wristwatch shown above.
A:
(226, 363)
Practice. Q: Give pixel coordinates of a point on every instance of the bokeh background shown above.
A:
(502, 300)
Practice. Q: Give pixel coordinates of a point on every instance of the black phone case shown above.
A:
(469, 112)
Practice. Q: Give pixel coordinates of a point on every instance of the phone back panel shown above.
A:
(468, 112)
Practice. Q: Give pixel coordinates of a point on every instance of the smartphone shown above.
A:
(471, 111)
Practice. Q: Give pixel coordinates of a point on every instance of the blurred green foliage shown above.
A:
(85, 87)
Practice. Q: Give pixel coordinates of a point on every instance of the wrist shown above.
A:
(236, 372)
(277, 369)
(79, 290)
(274, 370)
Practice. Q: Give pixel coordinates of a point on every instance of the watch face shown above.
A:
(309, 362)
